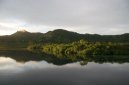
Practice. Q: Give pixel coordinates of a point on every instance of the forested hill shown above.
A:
(64, 36)
(22, 39)
(18, 40)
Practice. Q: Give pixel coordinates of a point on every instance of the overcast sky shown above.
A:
(82, 16)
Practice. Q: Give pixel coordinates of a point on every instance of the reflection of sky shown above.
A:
(43, 73)
(9, 65)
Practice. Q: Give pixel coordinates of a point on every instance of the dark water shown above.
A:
(24, 68)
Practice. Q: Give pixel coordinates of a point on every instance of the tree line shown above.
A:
(82, 49)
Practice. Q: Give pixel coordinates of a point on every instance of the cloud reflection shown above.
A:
(9, 65)
(43, 73)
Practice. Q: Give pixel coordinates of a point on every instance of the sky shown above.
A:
(83, 16)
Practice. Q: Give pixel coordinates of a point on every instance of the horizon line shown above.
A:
(24, 30)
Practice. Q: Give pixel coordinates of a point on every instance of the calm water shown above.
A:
(15, 70)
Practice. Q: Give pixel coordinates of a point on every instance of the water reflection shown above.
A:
(43, 73)
(25, 56)
(9, 65)
(26, 68)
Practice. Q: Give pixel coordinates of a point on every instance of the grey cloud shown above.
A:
(5, 28)
(99, 14)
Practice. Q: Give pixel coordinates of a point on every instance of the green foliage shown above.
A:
(81, 49)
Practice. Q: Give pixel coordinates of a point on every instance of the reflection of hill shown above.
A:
(24, 56)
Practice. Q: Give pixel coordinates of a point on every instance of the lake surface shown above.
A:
(16, 69)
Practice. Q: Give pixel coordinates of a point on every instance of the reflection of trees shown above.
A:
(82, 63)
(111, 59)
(24, 56)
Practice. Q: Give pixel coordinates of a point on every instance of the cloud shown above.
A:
(74, 14)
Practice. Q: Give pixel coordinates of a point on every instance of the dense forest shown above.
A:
(82, 49)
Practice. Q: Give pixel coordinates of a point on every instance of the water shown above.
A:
(31, 71)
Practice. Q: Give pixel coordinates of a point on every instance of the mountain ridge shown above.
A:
(25, 31)
(21, 39)
(61, 33)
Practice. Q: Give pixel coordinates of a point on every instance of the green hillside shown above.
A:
(20, 40)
